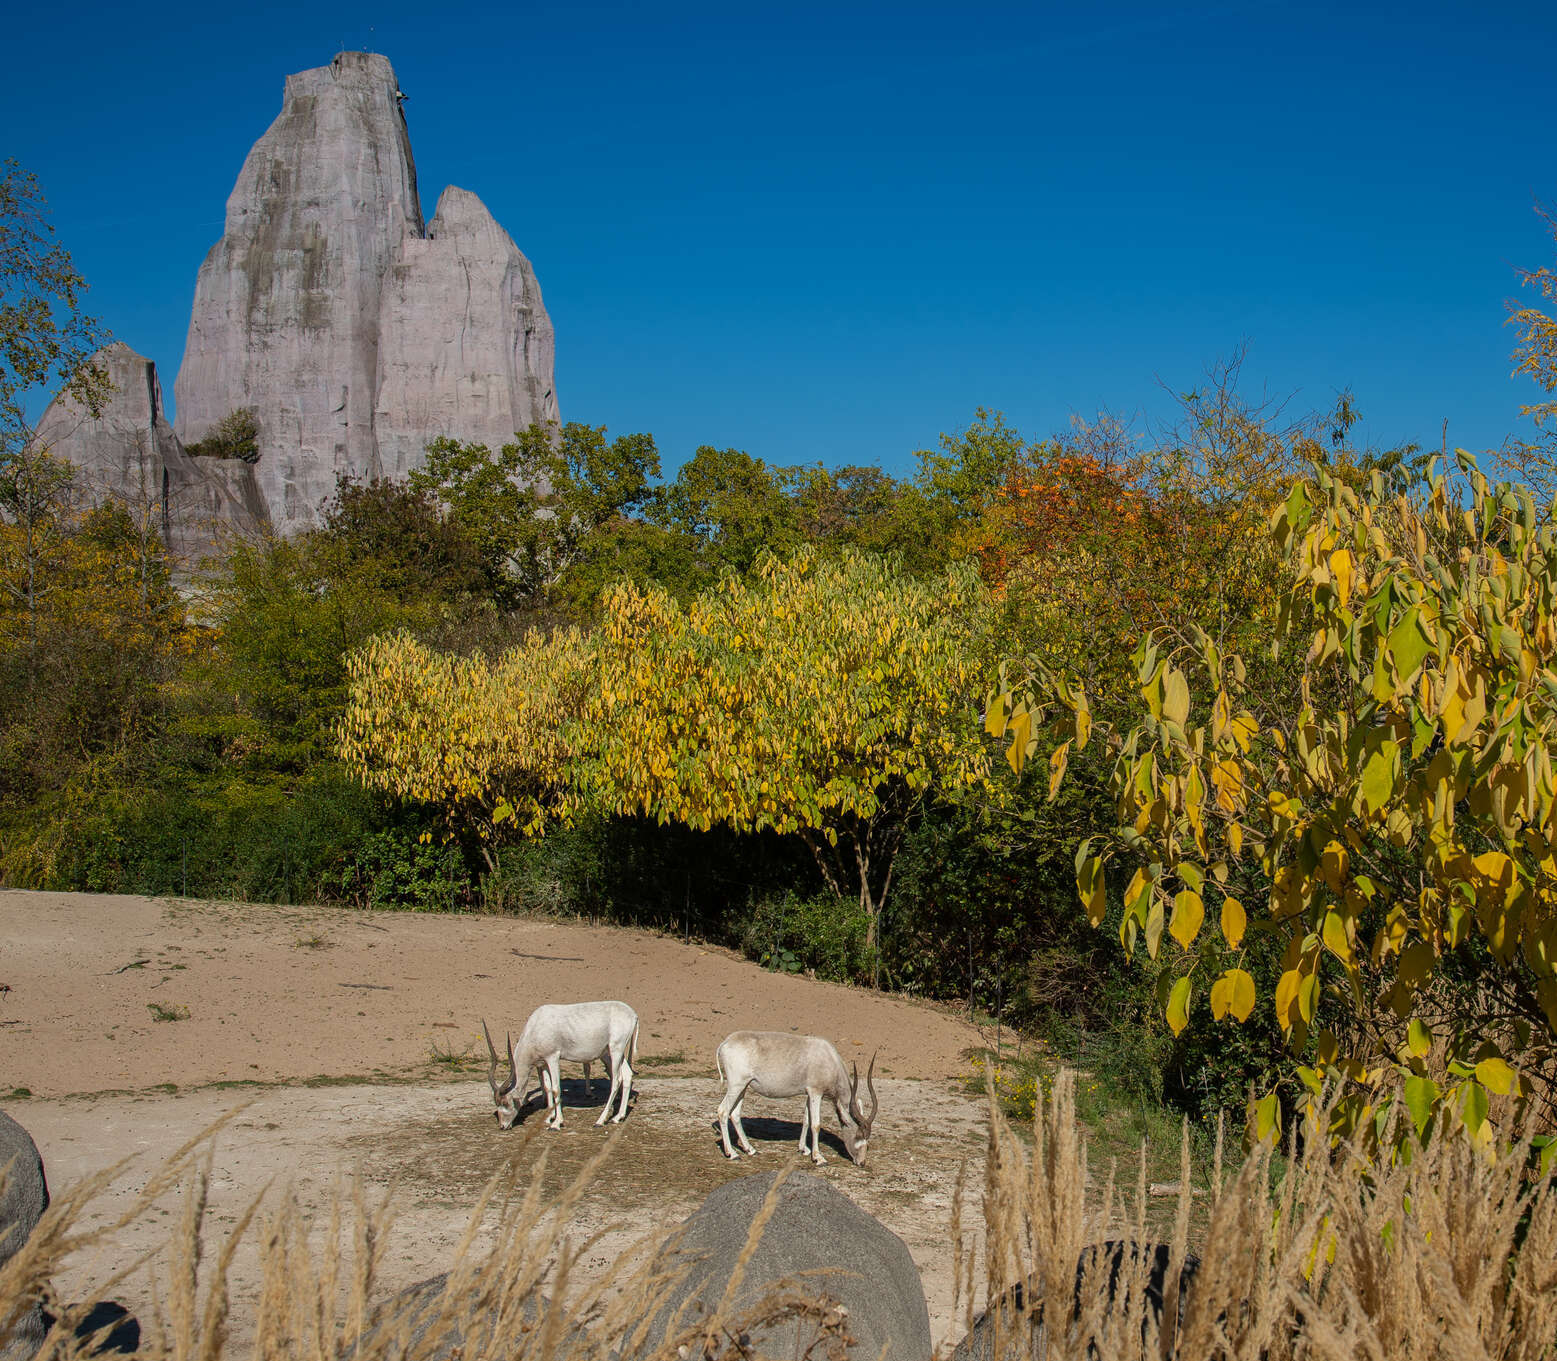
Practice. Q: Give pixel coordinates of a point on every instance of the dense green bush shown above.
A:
(223, 838)
(822, 934)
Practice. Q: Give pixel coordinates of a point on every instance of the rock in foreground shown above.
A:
(844, 1253)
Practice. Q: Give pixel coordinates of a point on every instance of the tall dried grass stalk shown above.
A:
(1323, 1257)
(1443, 1255)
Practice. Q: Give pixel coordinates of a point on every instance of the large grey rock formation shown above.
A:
(130, 454)
(356, 334)
(843, 1252)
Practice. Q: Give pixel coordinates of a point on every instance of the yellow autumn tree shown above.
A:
(822, 697)
(486, 740)
(1400, 822)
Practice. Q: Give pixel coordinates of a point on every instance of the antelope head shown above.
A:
(858, 1137)
(505, 1097)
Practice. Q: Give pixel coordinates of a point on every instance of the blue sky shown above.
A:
(829, 233)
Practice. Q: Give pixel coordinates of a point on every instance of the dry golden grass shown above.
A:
(1447, 1256)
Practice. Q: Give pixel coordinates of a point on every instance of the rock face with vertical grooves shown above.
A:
(129, 454)
(354, 333)
(465, 345)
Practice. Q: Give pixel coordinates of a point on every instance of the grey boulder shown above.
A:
(24, 1196)
(411, 1323)
(1014, 1328)
(820, 1241)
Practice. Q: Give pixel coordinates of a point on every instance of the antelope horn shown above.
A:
(855, 1114)
(492, 1061)
(870, 1083)
(512, 1084)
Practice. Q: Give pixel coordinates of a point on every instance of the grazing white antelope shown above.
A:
(777, 1063)
(579, 1033)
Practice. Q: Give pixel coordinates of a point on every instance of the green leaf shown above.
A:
(1408, 644)
(1154, 925)
(1377, 780)
(1308, 997)
(1090, 884)
(1473, 1106)
(1421, 1095)
(1267, 1118)
(1178, 1006)
(1419, 1039)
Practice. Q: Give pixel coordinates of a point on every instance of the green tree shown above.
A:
(44, 336)
(531, 506)
(734, 507)
(1534, 461)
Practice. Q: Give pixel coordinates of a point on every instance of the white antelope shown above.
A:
(579, 1033)
(778, 1064)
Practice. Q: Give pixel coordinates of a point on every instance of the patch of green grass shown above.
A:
(169, 1011)
(449, 1057)
(19, 1093)
(352, 1080)
(313, 942)
(1116, 1120)
(662, 1060)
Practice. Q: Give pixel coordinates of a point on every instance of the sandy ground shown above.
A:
(353, 1036)
(281, 994)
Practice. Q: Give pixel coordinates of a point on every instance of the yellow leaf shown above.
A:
(1267, 1118)
(1244, 730)
(1188, 913)
(1497, 1077)
(1333, 933)
(1175, 696)
(1227, 779)
(1058, 759)
(1234, 922)
(1286, 997)
(1239, 994)
(1416, 963)
(1093, 890)
(1219, 997)
(1021, 729)
(1221, 716)
(1341, 569)
(995, 716)
(1083, 726)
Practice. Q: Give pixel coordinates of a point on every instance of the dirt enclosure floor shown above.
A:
(352, 1040)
